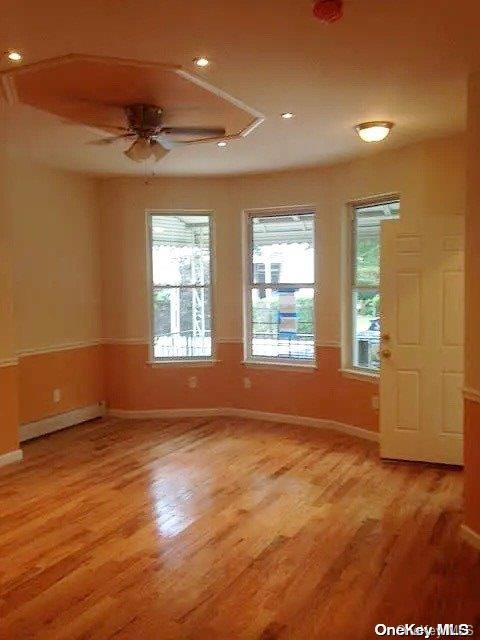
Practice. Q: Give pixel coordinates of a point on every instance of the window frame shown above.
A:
(185, 360)
(248, 285)
(350, 285)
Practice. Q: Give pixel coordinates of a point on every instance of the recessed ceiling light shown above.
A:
(14, 56)
(374, 131)
(221, 144)
(288, 115)
(201, 62)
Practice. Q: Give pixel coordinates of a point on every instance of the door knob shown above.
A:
(385, 337)
(386, 353)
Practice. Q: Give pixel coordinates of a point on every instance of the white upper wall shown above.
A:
(54, 243)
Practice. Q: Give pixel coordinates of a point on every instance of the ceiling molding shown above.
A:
(16, 90)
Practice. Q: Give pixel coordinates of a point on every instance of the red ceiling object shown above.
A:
(328, 11)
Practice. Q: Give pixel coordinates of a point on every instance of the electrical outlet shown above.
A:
(247, 383)
(375, 403)
(193, 382)
(57, 395)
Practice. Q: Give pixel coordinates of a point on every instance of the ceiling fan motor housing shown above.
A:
(328, 11)
(144, 119)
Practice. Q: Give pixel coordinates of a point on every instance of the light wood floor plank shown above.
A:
(226, 529)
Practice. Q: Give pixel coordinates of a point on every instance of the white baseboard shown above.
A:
(470, 536)
(62, 421)
(11, 457)
(318, 423)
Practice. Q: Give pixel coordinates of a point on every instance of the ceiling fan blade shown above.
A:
(138, 151)
(110, 127)
(101, 127)
(167, 143)
(158, 150)
(104, 141)
(204, 132)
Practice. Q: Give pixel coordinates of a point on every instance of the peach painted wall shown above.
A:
(430, 178)
(8, 408)
(8, 368)
(56, 257)
(124, 287)
(472, 465)
(78, 373)
(53, 289)
(472, 311)
(133, 385)
(7, 323)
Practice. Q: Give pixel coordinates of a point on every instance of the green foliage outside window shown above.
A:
(368, 257)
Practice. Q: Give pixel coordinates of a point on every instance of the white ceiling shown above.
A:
(400, 60)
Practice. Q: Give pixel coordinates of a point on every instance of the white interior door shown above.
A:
(422, 314)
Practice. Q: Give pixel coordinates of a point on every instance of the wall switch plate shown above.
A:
(57, 395)
(375, 403)
(193, 382)
(247, 383)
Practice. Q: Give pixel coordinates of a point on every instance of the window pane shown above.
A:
(180, 250)
(284, 246)
(367, 258)
(182, 323)
(366, 239)
(283, 323)
(366, 329)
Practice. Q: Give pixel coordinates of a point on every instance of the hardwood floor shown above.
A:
(212, 529)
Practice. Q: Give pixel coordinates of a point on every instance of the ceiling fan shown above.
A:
(151, 137)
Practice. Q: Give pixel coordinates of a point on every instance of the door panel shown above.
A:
(422, 341)
(452, 414)
(408, 308)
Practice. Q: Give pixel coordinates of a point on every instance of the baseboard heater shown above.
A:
(61, 421)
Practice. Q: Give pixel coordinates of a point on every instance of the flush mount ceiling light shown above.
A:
(374, 131)
(221, 144)
(14, 56)
(201, 62)
(288, 115)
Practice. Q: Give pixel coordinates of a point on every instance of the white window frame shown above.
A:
(348, 368)
(248, 283)
(188, 360)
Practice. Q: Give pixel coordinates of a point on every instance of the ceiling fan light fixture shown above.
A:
(374, 131)
(140, 150)
(158, 151)
(14, 56)
(201, 62)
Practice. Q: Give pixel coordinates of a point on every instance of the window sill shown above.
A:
(263, 364)
(358, 374)
(159, 364)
